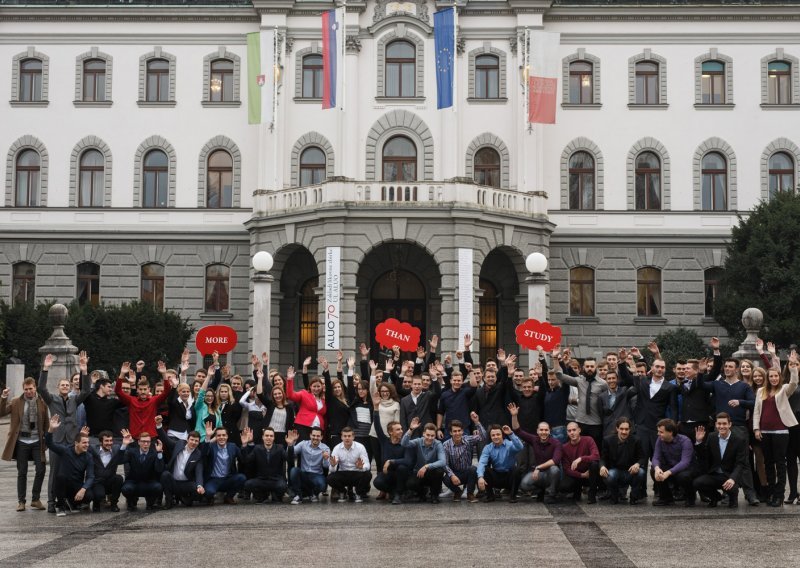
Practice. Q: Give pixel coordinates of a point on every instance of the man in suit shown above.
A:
(615, 403)
(418, 404)
(107, 457)
(75, 476)
(223, 462)
(145, 467)
(270, 460)
(724, 458)
(182, 477)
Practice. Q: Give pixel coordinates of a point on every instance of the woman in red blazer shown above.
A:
(311, 406)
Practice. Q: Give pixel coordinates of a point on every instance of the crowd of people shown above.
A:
(415, 427)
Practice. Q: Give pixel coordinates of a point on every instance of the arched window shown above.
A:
(400, 69)
(647, 83)
(399, 160)
(309, 320)
(217, 287)
(711, 278)
(28, 177)
(30, 80)
(487, 77)
(648, 181)
(153, 284)
(648, 292)
(23, 287)
(312, 166)
(581, 181)
(91, 171)
(487, 167)
(312, 76)
(87, 289)
(157, 86)
(156, 179)
(712, 83)
(488, 319)
(581, 291)
(580, 83)
(221, 84)
(781, 173)
(94, 80)
(715, 182)
(779, 83)
(220, 180)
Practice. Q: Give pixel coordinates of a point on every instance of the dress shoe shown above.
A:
(752, 500)
(633, 501)
(435, 500)
(38, 505)
(689, 503)
(230, 501)
(775, 501)
(20, 507)
(791, 499)
(663, 503)
(592, 498)
(51, 508)
(733, 502)
(113, 508)
(396, 500)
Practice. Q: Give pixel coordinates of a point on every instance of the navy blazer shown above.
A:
(209, 451)
(101, 472)
(193, 470)
(148, 470)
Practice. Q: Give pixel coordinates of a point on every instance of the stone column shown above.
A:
(59, 345)
(262, 312)
(537, 296)
(752, 320)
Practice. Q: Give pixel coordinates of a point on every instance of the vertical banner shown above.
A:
(332, 34)
(333, 269)
(444, 38)
(543, 80)
(260, 76)
(466, 293)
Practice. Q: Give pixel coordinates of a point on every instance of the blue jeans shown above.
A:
(548, 479)
(304, 482)
(230, 485)
(620, 478)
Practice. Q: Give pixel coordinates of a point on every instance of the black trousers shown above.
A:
(502, 480)
(393, 482)
(774, 447)
(432, 480)
(65, 490)
(358, 480)
(262, 488)
(111, 486)
(26, 452)
(683, 479)
(132, 490)
(180, 489)
(710, 483)
(792, 455)
(573, 485)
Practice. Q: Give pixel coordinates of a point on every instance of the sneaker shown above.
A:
(21, 506)
(396, 500)
(358, 498)
(444, 494)
(295, 500)
(60, 512)
(314, 498)
(342, 498)
(473, 498)
(38, 505)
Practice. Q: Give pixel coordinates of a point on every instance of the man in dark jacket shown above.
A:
(145, 467)
(182, 477)
(270, 461)
(107, 457)
(75, 475)
(723, 459)
(623, 463)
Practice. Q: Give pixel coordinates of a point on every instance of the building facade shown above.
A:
(132, 172)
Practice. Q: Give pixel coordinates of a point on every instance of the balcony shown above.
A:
(426, 195)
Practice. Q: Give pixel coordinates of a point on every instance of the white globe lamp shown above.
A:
(536, 263)
(262, 261)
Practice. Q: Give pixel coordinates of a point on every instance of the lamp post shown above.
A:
(536, 263)
(262, 301)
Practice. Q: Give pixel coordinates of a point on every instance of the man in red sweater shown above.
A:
(580, 462)
(142, 408)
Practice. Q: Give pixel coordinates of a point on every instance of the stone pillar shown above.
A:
(262, 312)
(59, 345)
(15, 374)
(537, 296)
(448, 334)
(752, 320)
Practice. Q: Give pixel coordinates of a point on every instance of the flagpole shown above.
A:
(341, 115)
(455, 54)
(275, 110)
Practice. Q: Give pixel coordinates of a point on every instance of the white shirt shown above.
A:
(655, 386)
(105, 456)
(346, 459)
(316, 423)
(180, 464)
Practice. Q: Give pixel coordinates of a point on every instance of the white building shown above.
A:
(132, 172)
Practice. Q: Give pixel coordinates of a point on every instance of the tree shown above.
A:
(762, 270)
(677, 343)
(27, 326)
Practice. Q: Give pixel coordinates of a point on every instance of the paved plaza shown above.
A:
(376, 534)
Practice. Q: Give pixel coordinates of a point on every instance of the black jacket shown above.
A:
(650, 410)
(101, 472)
(148, 470)
(193, 470)
(177, 414)
(270, 464)
(732, 464)
(622, 455)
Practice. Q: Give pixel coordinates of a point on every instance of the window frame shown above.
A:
(158, 289)
(316, 77)
(225, 77)
(482, 76)
(401, 62)
(648, 289)
(33, 193)
(30, 77)
(98, 94)
(648, 77)
(779, 78)
(25, 281)
(581, 176)
(159, 74)
(647, 175)
(480, 170)
(99, 188)
(219, 172)
(312, 168)
(714, 76)
(155, 170)
(308, 320)
(582, 285)
(90, 281)
(711, 279)
(581, 74)
(215, 303)
(781, 172)
(400, 160)
(705, 171)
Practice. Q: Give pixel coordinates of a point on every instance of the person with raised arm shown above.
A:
(308, 479)
(95, 395)
(182, 478)
(460, 474)
(497, 468)
(75, 476)
(429, 460)
(223, 465)
(107, 458)
(454, 403)
(543, 471)
(277, 413)
(589, 414)
(145, 465)
(311, 405)
(350, 467)
(270, 462)
(142, 408)
(723, 458)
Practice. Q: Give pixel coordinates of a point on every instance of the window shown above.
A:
(647, 83)
(781, 173)
(153, 285)
(309, 320)
(217, 281)
(712, 83)
(648, 181)
(400, 69)
(156, 174)
(220, 180)
(30, 80)
(157, 81)
(487, 167)
(580, 83)
(487, 327)
(487, 77)
(87, 290)
(90, 174)
(714, 182)
(399, 160)
(312, 166)
(779, 83)
(94, 80)
(711, 278)
(581, 291)
(581, 181)
(312, 76)
(648, 292)
(23, 288)
(28, 177)
(221, 84)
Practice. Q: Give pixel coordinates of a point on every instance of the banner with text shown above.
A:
(466, 292)
(394, 332)
(533, 334)
(333, 286)
(219, 338)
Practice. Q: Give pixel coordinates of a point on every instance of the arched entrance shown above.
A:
(499, 308)
(399, 280)
(299, 306)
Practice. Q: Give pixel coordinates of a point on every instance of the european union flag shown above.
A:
(444, 40)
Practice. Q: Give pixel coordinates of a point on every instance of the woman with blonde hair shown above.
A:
(772, 418)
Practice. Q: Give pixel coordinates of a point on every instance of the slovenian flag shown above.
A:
(331, 26)
(543, 79)
(261, 67)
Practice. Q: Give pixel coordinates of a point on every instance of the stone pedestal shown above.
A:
(15, 374)
(752, 320)
(60, 346)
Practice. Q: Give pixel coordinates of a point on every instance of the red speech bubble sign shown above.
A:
(533, 333)
(394, 332)
(220, 338)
